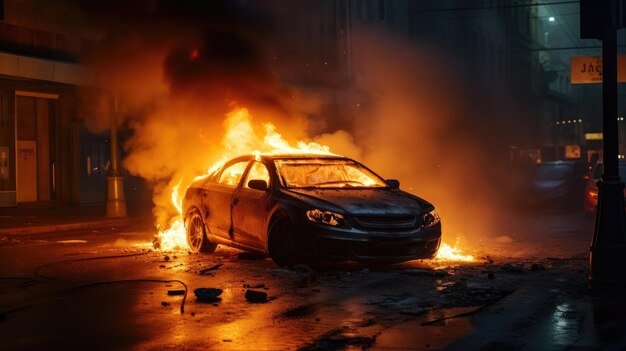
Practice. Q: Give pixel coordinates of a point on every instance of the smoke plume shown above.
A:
(178, 68)
(181, 68)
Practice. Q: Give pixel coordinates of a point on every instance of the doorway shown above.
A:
(36, 126)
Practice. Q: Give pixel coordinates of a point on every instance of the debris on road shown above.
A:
(349, 307)
(208, 294)
(300, 311)
(256, 296)
(207, 271)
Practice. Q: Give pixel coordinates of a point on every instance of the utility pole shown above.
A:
(116, 203)
(607, 257)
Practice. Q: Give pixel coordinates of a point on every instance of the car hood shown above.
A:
(361, 201)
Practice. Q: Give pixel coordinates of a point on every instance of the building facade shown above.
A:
(521, 47)
(47, 155)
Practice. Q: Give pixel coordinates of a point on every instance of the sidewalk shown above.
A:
(38, 219)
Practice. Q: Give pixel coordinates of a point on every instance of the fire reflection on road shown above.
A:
(428, 304)
(336, 305)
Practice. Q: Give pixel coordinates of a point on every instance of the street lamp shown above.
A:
(116, 203)
(607, 255)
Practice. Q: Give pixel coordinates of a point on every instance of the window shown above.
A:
(258, 171)
(232, 174)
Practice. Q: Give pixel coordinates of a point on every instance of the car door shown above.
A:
(219, 196)
(250, 208)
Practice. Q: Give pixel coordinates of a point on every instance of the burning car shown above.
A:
(299, 207)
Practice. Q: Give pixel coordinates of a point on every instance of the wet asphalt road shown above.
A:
(97, 290)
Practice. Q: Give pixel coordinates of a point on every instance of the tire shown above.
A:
(282, 244)
(196, 235)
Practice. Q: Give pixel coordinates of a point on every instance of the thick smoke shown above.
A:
(437, 130)
(179, 69)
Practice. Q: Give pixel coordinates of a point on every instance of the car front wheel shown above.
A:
(196, 235)
(283, 247)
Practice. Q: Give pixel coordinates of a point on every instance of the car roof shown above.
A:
(271, 157)
(302, 156)
(288, 156)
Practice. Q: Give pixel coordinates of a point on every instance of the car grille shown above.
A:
(387, 249)
(387, 222)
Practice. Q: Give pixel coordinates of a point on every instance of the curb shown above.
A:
(66, 227)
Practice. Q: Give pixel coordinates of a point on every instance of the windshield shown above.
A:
(326, 173)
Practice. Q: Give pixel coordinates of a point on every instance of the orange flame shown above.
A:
(175, 200)
(452, 253)
(240, 139)
(174, 237)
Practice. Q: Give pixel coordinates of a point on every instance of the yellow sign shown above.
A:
(588, 69)
(572, 151)
(593, 136)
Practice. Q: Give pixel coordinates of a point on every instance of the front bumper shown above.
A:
(375, 246)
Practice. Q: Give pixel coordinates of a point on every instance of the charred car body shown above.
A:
(300, 207)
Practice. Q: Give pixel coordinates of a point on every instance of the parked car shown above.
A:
(558, 183)
(591, 189)
(300, 207)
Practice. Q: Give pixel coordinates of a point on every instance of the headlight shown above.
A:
(430, 219)
(326, 217)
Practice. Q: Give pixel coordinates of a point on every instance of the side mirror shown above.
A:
(257, 184)
(394, 183)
